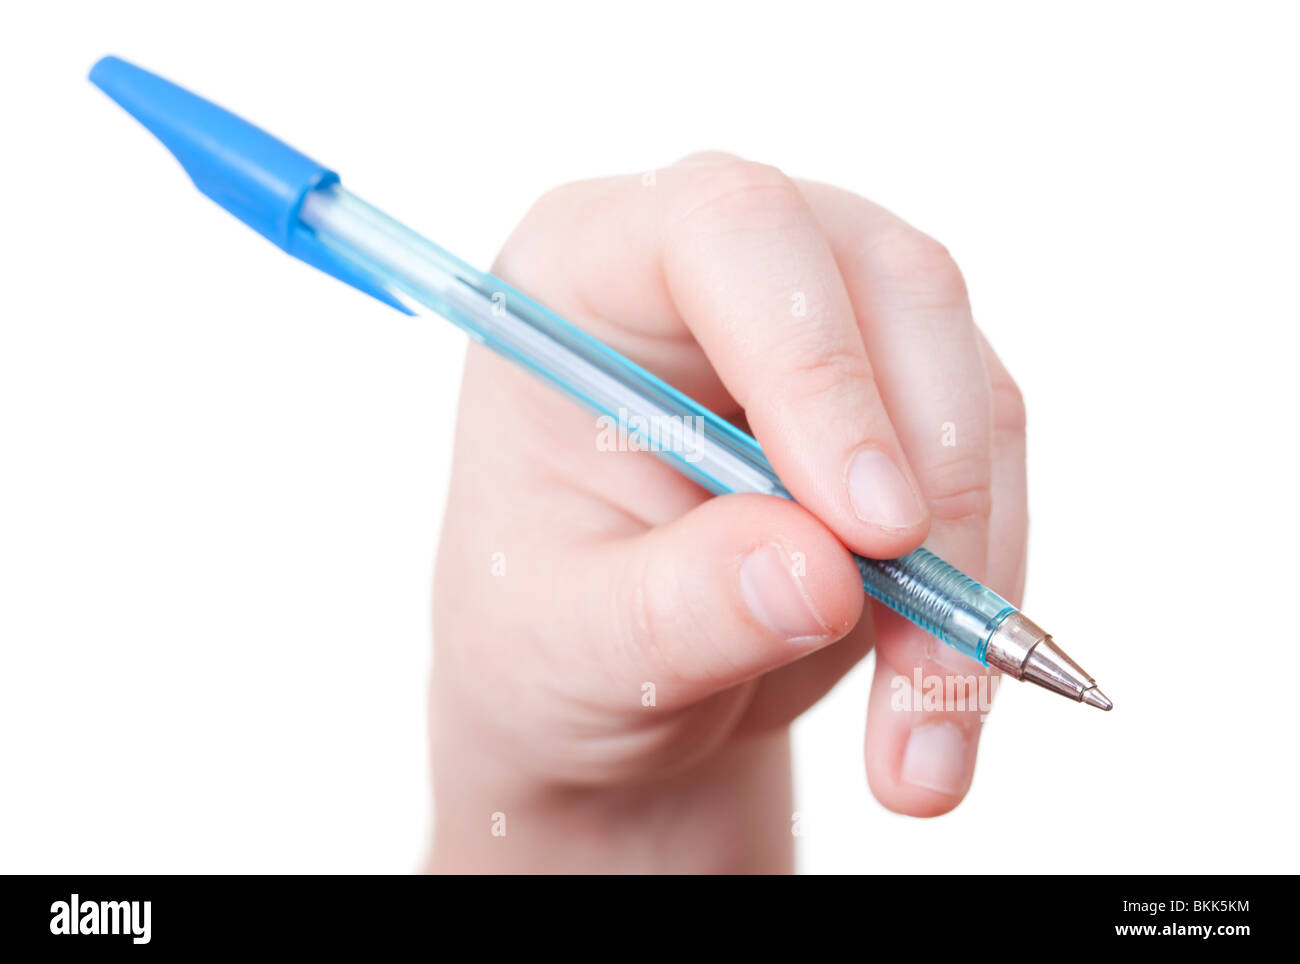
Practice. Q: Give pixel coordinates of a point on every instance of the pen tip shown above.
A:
(1095, 697)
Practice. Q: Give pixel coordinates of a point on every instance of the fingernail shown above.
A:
(776, 597)
(935, 758)
(880, 493)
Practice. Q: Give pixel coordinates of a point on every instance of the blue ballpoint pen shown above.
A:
(301, 206)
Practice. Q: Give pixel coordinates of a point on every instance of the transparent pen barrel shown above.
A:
(635, 406)
(638, 410)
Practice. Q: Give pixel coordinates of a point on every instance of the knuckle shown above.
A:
(960, 489)
(819, 373)
(707, 157)
(736, 190)
(556, 199)
(917, 265)
(651, 616)
(832, 387)
(561, 205)
(529, 239)
(530, 257)
(739, 176)
(668, 627)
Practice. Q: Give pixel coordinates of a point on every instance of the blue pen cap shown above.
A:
(256, 177)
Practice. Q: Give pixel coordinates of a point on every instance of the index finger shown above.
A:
(729, 252)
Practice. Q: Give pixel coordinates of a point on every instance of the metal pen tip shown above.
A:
(1024, 650)
(1095, 697)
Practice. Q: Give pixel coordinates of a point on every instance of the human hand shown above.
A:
(619, 655)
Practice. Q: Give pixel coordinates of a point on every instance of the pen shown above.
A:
(301, 207)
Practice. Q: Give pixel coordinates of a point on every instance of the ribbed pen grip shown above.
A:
(937, 597)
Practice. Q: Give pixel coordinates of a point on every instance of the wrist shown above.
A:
(730, 814)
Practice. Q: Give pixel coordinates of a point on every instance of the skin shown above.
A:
(569, 577)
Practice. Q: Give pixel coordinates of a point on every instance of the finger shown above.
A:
(921, 759)
(916, 322)
(731, 254)
(911, 304)
(752, 276)
(921, 762)
(1009, 519)
(787, 692)
(732, 589)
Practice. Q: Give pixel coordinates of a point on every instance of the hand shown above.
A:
(619, 655)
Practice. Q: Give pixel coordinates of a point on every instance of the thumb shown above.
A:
(737, 586)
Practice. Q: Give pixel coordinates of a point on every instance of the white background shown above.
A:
(222, 472)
